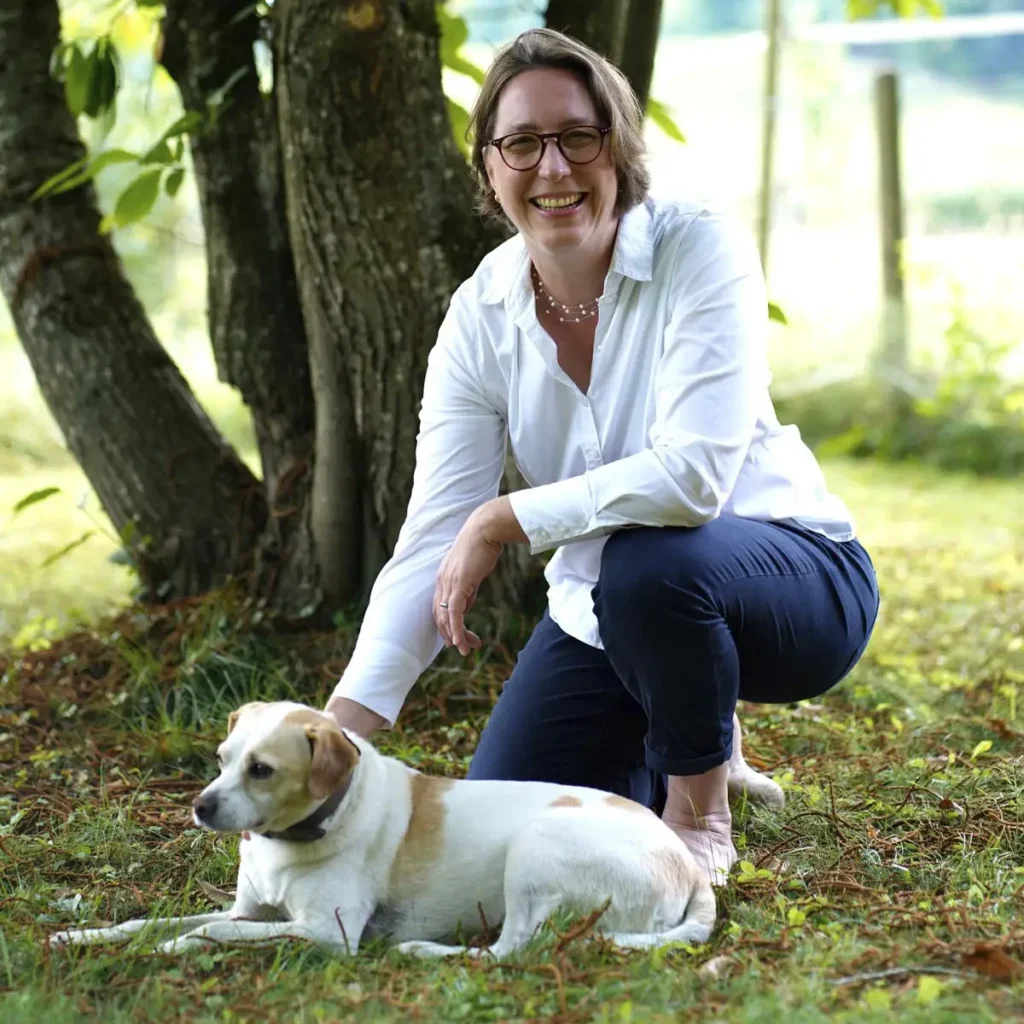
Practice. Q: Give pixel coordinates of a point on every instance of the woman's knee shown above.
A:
(650, 575)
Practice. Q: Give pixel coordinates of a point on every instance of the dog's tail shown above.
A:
(696, 926)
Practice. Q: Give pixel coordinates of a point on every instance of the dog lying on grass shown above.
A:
(345, 844)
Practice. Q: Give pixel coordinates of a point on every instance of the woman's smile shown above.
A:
(564, 204)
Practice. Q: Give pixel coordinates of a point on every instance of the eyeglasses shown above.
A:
(522, 151)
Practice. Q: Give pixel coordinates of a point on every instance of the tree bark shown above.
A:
(625, 31)
(255, 317)
(187, 508)
(639, 45)
(601, 24)
(382, 229)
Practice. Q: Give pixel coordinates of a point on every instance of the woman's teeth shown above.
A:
(558, 202)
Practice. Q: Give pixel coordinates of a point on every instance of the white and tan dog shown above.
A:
(346, 844)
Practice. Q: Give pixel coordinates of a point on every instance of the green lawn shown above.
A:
(891, 885)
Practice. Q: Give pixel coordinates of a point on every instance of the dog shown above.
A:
(345, 844)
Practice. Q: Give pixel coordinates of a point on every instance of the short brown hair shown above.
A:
(613, 97)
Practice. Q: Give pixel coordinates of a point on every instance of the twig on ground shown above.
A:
(583, 927)
(899, 972)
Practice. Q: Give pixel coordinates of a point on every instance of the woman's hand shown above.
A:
(470, 560)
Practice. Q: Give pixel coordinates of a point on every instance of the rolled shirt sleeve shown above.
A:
(709, 380)
(460, 452)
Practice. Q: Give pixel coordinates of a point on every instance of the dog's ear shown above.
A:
(334, 757)
(235, 715)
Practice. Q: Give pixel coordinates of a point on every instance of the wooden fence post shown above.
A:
(769, 114)
(891, 355)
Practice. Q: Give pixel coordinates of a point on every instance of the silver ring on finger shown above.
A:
(444, 605)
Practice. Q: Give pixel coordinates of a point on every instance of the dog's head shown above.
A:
(278, 763)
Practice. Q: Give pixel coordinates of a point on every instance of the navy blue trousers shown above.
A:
(692, 620)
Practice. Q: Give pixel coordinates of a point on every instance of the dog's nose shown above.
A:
(205, 806)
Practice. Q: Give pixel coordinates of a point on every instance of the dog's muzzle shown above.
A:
(204, 808)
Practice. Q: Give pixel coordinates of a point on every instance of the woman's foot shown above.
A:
(697, 810)
(746, 783)
(709, 840)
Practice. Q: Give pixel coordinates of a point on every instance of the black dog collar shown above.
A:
(308, 830)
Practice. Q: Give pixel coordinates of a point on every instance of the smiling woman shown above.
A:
(619, 344)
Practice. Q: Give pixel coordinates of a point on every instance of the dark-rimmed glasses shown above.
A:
(522, 151)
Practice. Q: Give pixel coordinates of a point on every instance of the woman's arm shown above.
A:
(460, 455)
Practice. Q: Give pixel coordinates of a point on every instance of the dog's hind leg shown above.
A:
(123, 932)
(695, 928)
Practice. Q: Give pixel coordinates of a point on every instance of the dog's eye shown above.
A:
(259, 770)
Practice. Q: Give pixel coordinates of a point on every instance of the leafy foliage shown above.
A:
(968, 416)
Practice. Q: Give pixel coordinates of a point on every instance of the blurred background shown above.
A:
(961, 132)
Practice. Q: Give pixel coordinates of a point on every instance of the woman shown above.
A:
(620, 344)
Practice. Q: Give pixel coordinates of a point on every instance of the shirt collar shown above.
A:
(633, 256)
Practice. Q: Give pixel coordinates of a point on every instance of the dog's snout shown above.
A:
(205, 806)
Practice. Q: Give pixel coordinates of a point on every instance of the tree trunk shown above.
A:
(643, 24)
(625, 31)
(382, 228)
(601, 24)
(188, 509)
(255, 317)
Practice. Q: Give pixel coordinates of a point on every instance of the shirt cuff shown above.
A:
(554, 514)
(381, 682)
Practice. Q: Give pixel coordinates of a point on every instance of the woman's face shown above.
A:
(548, 100)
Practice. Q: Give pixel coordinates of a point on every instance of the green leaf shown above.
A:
(103, 77)
(67, 549)
(186, 124)
(459, 118)
(159, 154)
(34, 498)
(174, 180)
(982, 748)
(659, 114)
(137, 199)
(76, 80)
(82, 171)
(454, 33)
(59, 60)
(747, 868)
(775, 313)
(51, 183)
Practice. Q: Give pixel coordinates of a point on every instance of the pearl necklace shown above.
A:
(572, 314)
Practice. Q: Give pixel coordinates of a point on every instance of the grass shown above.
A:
(891, 885)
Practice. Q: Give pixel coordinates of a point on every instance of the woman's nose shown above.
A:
(552, 163)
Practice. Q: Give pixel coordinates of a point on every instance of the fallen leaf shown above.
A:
(994, 963)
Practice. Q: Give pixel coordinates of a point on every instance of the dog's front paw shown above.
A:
(418, 947)
(182, 944)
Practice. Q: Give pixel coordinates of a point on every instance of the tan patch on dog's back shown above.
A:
(672, 870)
(566, 801)
(626, 805)
(423, 842)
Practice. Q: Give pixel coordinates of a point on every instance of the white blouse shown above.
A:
(676, 428)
